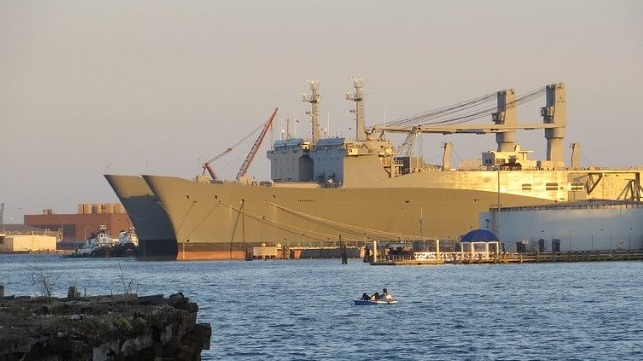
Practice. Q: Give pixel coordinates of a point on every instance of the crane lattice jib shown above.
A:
(207, 165)
(255, 147)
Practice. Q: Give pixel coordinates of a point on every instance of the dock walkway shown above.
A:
(504, 258)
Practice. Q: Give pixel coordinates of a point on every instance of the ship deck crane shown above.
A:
(255, 147)
(451, 119)
(207, 166)
(406, 148)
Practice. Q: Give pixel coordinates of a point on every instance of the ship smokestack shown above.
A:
(506, 115)
(555, 112)
(358, 97)
(313, 99)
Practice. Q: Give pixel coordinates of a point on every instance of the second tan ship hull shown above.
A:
(157, 240)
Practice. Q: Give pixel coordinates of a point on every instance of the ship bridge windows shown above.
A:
(526, 186)
(551, 186)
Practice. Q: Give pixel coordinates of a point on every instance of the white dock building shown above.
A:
(594, 225)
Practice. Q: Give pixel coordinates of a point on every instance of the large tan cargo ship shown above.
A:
(364, 189)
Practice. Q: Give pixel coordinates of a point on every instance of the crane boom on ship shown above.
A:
(255, 147)
(451, 119)
(207, 166)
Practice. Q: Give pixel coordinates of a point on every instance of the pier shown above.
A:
(441, 258)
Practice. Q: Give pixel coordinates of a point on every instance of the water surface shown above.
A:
(302, 310)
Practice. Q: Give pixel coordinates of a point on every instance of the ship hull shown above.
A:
(188, 220)
(157, 240)
(224, 221)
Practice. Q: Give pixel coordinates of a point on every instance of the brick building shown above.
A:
(80, 226)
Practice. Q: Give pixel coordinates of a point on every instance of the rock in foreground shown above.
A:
(119, 327)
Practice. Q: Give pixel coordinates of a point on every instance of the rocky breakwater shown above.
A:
(115, 327)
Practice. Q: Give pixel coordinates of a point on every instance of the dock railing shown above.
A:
(459, 257)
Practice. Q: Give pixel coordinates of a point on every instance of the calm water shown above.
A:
(302, 310)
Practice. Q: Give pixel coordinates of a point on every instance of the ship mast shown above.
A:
(313, 99)
(358, 97)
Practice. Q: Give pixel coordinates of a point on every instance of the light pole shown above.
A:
(498, 219)
(421, 225)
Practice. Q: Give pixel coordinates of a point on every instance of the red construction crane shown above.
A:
(206, 165)
(246, 164)
(255, 147)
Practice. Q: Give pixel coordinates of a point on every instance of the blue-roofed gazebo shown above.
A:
(479, 235)
(475, 245)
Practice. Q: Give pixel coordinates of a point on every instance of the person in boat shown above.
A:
(365, 297)
(375, 297)
(386, 296)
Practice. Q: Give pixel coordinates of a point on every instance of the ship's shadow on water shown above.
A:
(303, 310)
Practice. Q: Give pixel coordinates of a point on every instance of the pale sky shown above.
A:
(158, 87)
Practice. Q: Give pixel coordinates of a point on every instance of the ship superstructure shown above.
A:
(365, 188)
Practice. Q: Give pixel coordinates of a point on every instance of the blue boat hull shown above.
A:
(368, 302)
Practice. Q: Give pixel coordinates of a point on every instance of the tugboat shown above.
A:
(126, 245)
(97, 245)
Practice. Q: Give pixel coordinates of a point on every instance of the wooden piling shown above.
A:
(342, 251)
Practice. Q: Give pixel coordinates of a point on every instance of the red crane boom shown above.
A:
(206, 165)
(255, 147)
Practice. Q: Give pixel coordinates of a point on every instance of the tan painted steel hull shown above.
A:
(237, 216)
(152, 224)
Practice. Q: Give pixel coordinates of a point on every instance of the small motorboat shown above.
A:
(373, 302)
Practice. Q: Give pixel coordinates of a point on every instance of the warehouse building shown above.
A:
(12, 243)
(74, 228)
(594, 225)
